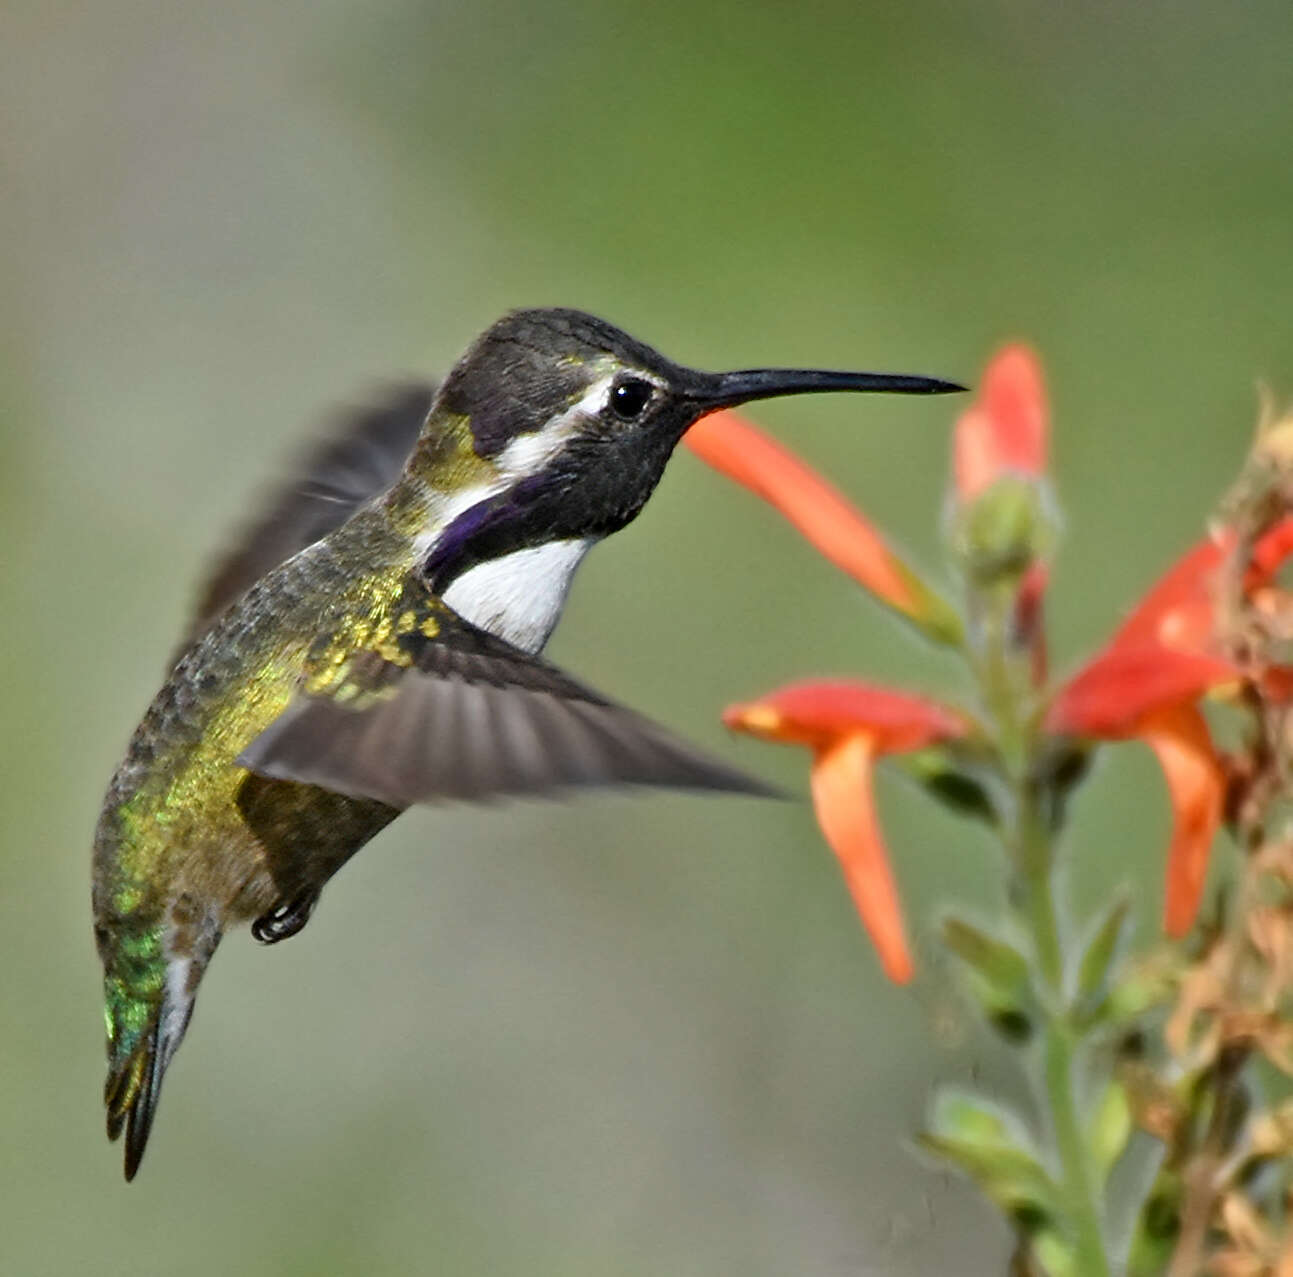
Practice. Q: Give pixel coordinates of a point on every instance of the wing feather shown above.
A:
(363, 456)
(472, 719)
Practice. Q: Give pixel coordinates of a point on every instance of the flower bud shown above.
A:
(998, 534)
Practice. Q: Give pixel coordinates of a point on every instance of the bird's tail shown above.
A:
(145, 1027)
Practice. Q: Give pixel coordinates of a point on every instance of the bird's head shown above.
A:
(578, 420)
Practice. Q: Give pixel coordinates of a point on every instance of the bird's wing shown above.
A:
(362, 456)
(447, 711)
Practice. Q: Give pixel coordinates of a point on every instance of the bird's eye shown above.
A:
(630, 397)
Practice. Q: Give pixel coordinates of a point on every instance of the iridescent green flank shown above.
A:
(190, 843)
(133, 989)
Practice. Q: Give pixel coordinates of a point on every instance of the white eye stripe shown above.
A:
(596, 397)
(527, 453)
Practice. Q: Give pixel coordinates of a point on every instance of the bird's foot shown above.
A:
(285, 919)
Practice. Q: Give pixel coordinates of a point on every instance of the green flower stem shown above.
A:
(1057, 1045)
(1034, 861)
(995, 667)
(1003, 680)
(1034, 856)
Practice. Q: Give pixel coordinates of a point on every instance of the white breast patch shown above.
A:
(519, 597)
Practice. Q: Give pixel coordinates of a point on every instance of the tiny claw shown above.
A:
(285, 919)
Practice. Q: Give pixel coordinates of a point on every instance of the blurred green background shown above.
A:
(621, 1036)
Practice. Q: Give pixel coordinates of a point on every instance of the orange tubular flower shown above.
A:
(1149, 693)
(1005, 431)
(1145, 685)
(1180, 609)
(1001, 530)
(848, 725)
(822, 514)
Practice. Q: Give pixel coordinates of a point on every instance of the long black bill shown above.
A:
(728, 389)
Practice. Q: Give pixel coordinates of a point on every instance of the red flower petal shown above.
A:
(1110, 696)
(819, 713)
(1179, 609)
(1196, 782)
(848, 725)
(820, 513)
(1005, 431)
(845, 809)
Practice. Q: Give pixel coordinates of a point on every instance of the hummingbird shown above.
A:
(374, 642)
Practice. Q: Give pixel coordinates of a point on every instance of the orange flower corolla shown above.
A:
(1145, 684)
(1005, 430)
(1179, 610)
(848, 725)
(1002, 534)
(820, 513)
(1149, 695)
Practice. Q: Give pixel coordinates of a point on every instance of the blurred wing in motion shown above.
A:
(470, 717)
(363, 456)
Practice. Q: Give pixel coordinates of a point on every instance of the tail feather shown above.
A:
(134, 1082)
(121, 1088)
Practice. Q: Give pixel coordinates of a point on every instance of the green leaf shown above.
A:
(1059, 767)
(1055, 1254)
(1011, 1178)
(989, 1146)
(968, 1117)
(1097, 959)
(999, 977)
(1111, 1127)
(1133, 996)
(991, 957)
(1157, 1228)
(951, 779)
